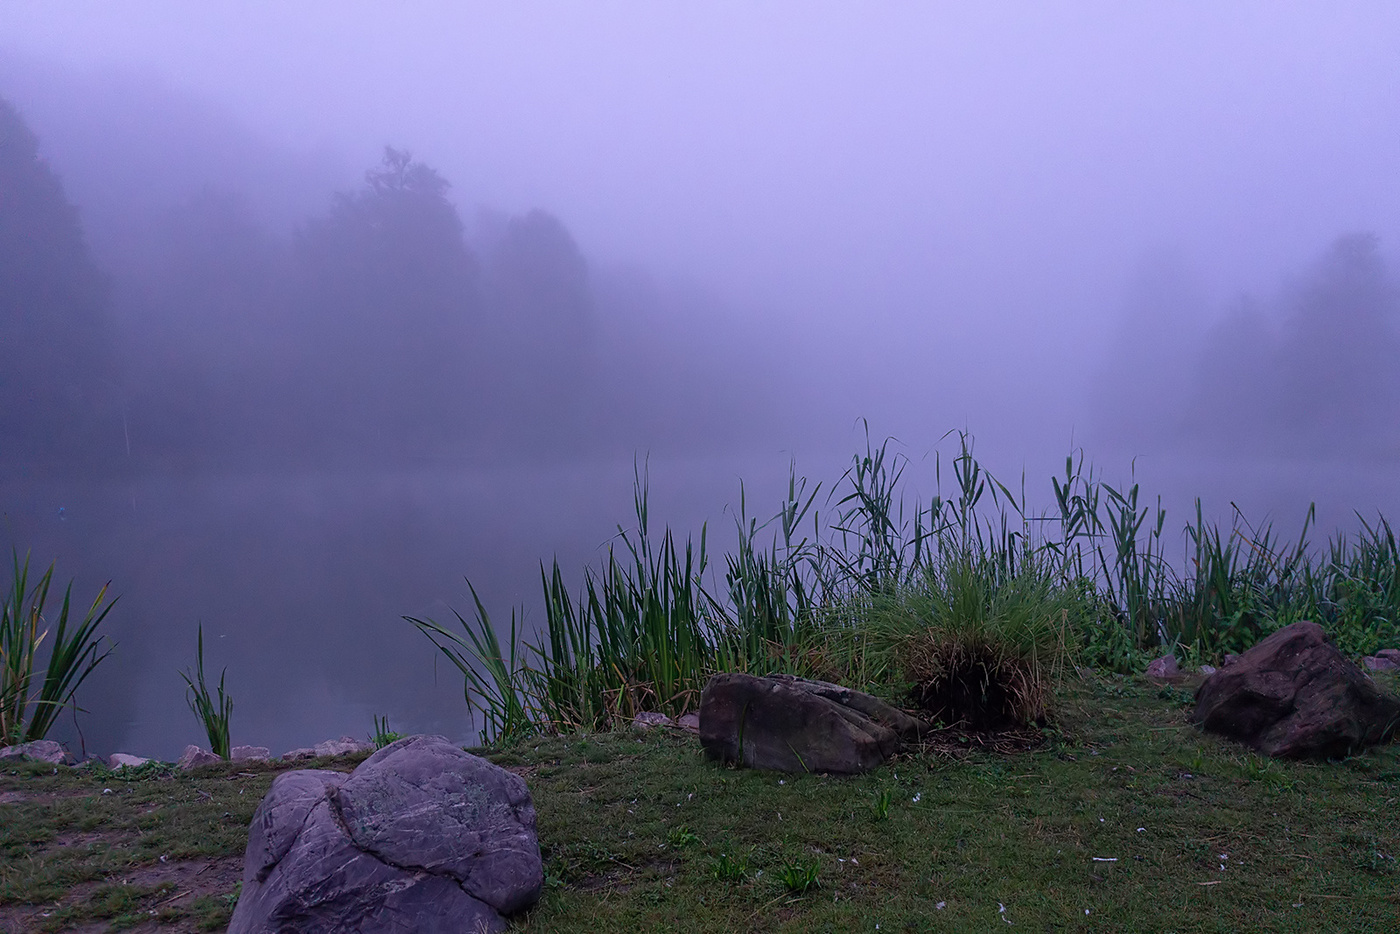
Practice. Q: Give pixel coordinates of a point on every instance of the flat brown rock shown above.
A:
(792, 724)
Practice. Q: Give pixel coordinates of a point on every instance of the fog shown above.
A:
(313, 311)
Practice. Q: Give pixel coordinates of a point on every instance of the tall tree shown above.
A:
(58, 378)
(392, 288)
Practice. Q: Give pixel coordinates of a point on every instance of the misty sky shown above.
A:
(977, 182)
(1159, 230)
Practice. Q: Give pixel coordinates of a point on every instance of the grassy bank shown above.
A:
(640, 832)
(914, 601)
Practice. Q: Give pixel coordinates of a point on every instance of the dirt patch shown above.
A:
(188, 880)
(39, 797)
(957, 742)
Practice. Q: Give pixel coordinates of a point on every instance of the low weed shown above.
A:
(382, 735)
(799, 876)
(882, 804)
(729, 866)
(682, 837)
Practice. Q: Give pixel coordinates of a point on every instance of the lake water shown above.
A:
(301, 580)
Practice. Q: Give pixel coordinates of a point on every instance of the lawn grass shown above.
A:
(146, 848)
(640, 832)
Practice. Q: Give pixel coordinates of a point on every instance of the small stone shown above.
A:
(249, 754)
(1208, 670)
(303, 752)
(650, 719)
(41, 750)
(690, 723)
(343, 746)
(1379, 662)
(118, 760)
(193, 757)
(1390, 654)
(1163, 668)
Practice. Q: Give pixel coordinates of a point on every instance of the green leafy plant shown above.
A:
(729, 866)
(1255, 768)
(682, 837)
(799, 876)
(30, 702)
(383, 736)
(882, 804)
(213, 715)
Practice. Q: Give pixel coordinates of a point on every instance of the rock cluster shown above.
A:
(1294, 695)
(420, 837)
(40, 750)
(331, 747)
(1384, 660)
(792, 724)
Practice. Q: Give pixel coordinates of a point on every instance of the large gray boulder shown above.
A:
(791, 724)
(1294, 695)
(422, 837)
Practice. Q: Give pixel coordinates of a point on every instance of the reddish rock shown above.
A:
(1295, 696)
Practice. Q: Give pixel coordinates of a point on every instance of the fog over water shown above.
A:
(355, 301)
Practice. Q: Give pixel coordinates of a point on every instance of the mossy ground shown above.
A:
(1124, 817)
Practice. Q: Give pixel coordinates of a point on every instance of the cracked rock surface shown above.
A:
(422, 837)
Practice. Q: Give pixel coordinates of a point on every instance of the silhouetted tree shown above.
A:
(210, 340)
(392, 289)
(58, 379)
(538, 324)
(1340, 355)
(1324, 379)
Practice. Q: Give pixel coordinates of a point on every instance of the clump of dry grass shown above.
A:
(975, 684)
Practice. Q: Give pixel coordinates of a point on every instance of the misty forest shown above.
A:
(413, 425)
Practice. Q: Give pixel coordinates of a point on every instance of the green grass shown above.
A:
(640, 832)
(1305, 846)
(129, 846)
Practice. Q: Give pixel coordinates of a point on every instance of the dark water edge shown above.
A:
(301, 578)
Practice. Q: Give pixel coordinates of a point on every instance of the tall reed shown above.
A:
(30, 702)
(871, 589)
(213, 715)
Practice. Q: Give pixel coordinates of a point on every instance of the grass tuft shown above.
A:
(213, 715)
